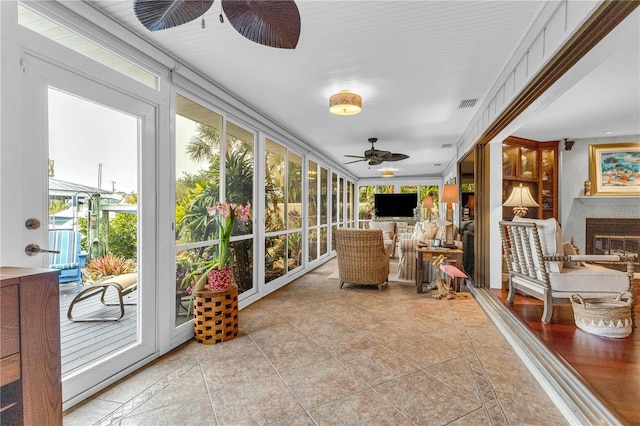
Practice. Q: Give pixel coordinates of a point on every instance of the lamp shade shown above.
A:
(450, 193)
(471, 202)
(427, 202)
(345, 103)
(520, 197)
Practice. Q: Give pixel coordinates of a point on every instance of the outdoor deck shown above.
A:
(85, 342)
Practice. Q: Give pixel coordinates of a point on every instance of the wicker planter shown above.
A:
(215, 315)
(603, 317)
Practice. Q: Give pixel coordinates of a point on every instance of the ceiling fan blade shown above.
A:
(356, 156)
(163, 14)
(270, 23)
(356, 161)
(397, 157)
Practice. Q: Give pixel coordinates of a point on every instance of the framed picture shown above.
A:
(615, 169)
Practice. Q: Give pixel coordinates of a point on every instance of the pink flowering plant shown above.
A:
(224, 214)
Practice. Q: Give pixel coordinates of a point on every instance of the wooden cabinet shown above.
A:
(30, 371)
(534, 165)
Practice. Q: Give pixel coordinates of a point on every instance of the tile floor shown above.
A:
(312, 354)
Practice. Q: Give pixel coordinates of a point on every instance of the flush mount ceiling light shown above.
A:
(386, 173)
(345, 103)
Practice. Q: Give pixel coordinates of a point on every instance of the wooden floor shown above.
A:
(611, 367)
(83, 343)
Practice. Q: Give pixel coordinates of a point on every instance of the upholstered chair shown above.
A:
(389, 234)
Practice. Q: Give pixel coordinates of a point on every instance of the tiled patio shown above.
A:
(311, 353)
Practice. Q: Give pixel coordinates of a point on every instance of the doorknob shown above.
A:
(33, 249)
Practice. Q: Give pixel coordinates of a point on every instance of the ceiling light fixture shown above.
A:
(345, 103)
(386, 173)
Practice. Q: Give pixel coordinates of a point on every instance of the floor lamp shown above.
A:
(520, 199)
(449, 196)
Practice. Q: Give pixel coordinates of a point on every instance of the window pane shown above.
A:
(323, 241)
(54, 31)
(274, 258)
(294, 250)
(313, 244)
(365, 202)
(242, 255)
(409, 189)
(313, 194)
(350, 205)
(340, 200)
(198, 131)
(294, 191)
(239, 171)
(186, 263)
(275, 186)
(324, 173)
(334, 198)
(384, 189)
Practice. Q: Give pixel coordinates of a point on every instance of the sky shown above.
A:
(84, 134)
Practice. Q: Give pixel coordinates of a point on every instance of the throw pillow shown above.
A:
(417, 231)
(429, 232)
(550, 239)
(387, 235)
(569, 249)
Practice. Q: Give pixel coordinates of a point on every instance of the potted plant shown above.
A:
(216, 270)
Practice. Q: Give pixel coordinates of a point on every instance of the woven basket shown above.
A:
(215, 315)
(603, 317)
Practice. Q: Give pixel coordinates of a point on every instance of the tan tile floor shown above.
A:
(312, 354)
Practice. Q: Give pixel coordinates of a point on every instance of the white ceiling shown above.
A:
(413, 62)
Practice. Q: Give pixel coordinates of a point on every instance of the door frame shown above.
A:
(38, 75)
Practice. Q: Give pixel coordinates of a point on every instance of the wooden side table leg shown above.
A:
(419, 272)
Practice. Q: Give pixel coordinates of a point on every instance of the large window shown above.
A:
(283, 211)
(201, 158)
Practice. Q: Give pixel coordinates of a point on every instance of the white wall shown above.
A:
(574, 207)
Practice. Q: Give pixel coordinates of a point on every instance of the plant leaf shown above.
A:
(270, 23)
(163, 14)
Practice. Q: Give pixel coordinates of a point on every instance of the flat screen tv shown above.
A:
(395, 205)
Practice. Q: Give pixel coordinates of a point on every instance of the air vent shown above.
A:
(446, 145)
(468, 103)
(437, 164)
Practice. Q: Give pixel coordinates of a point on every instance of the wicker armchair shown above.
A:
(362, 258)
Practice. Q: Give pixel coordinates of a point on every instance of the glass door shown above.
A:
(91, 182)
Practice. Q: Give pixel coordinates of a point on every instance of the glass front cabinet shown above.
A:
(534, 165)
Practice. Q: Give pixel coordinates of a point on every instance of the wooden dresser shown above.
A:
(30, 371)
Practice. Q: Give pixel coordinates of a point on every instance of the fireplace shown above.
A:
(614, 236)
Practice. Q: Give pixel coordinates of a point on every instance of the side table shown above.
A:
(215, 317)
(426, 253)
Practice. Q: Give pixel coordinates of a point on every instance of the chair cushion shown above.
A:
(384, 226)
(594, 279)
(550, 239)
(63, 266)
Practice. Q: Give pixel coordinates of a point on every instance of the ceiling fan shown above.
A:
(270, 23)
(376, 156)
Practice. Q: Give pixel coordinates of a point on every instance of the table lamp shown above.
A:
(520, 199)
(427, 203)
(449, 196)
